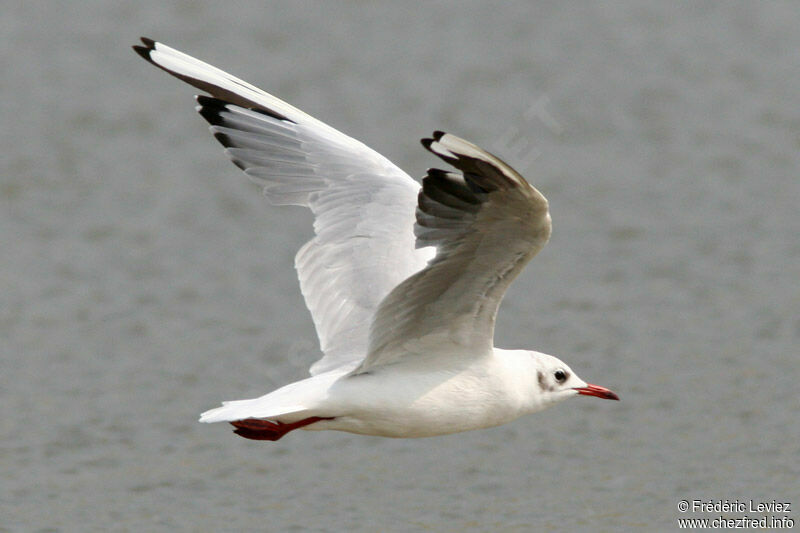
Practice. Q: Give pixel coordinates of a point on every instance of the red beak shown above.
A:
(596, 390)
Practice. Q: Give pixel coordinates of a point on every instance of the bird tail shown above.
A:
(243, 409)
(286, 404)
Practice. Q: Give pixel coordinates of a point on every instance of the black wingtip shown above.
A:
(426, 142)
(209, 101)
(210, 108)
(144, 51)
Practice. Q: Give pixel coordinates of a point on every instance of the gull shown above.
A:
(403, 281)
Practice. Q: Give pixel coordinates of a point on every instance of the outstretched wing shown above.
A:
(362, 203)
(486, 224)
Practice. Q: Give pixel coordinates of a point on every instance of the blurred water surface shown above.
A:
(143, 279)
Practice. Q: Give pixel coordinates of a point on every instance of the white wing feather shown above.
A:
(363, 204)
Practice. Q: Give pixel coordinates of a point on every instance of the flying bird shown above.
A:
(403, 280)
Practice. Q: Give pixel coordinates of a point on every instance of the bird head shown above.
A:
(556, 381)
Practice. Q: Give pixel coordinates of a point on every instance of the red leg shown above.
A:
(257, 429)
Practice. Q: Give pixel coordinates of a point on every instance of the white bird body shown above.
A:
(403, 281)
(430, 396)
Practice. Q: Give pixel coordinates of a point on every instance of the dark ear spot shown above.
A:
(542, 377)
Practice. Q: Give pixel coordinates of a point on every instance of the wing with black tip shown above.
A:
(362, 203)
(486, 222)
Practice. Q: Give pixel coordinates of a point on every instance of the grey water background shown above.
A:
(143, 279)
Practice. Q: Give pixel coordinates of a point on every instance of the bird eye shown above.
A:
(560, 375)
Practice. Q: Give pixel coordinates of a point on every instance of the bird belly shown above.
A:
(414, 405)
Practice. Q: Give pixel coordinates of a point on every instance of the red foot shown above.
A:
(257, 429)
